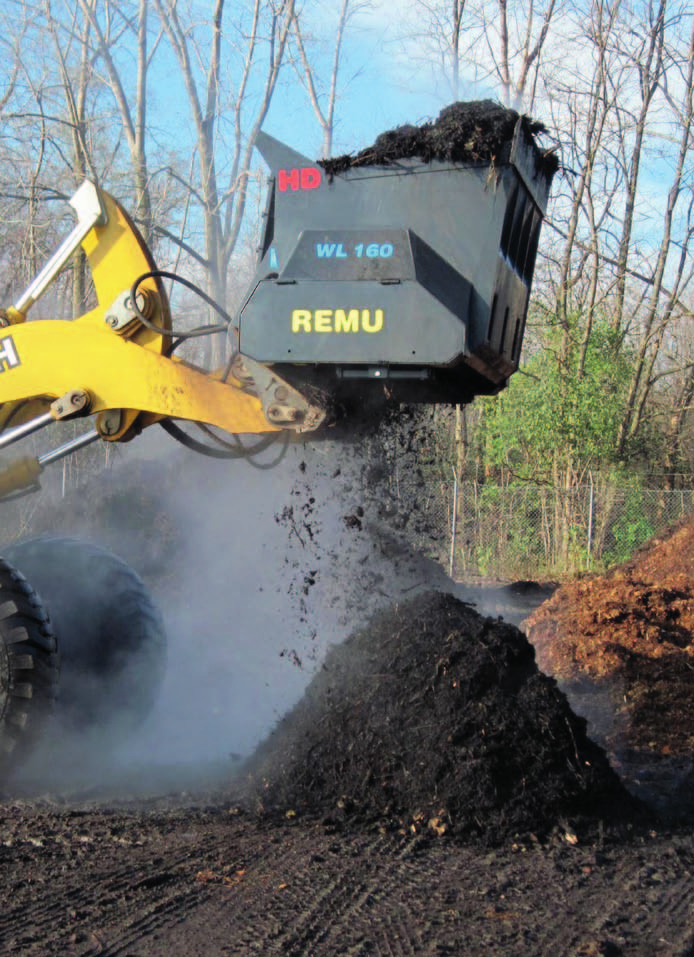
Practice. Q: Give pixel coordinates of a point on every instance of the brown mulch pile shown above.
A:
(668, 556)
(631, 632)
(479, 131)
(434, 717)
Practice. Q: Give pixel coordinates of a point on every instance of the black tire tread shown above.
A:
(31, 657)
(69, 574)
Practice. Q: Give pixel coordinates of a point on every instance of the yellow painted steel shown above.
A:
(117, 256)
(125, 373)
(57, 356)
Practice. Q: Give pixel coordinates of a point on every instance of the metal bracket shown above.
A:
(90, 213)
(121, 316)
(72, 405)
(109, 423)
(283, 405)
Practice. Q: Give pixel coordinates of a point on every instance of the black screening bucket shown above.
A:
(407, 275)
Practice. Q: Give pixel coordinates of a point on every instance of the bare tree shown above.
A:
(75, 80)
(91, 94)
(324, 104)
(109, 32)
(517, 60)
(582, 105)
(226, 121)
(483, 41)
(647, 63)
(436, 36)
(662, 302)
(12, 45)
(614, 81)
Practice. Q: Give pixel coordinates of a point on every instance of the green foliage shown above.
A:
(504, 523)
(630, 521)
(522, 530)
(559, 417)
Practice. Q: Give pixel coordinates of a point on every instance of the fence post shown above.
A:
(590, 523)
(454, 523)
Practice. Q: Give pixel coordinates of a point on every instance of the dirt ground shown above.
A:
(102, 872)
(185, 878)
(139, 865)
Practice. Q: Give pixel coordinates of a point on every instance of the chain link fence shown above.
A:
(531, 531)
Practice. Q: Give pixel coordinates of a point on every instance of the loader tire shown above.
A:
(29, 668)
(110, 632)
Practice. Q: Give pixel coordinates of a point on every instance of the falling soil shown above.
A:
(436, 717)
(480, 131)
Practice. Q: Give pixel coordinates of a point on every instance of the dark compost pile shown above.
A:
(480, 131)
(433, 716)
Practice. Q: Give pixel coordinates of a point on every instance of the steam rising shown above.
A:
(259, 573)
(270, 574)
(256, 573)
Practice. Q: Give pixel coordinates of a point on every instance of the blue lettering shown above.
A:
(359, 250)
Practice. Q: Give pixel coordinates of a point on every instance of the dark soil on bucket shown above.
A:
(478, 131)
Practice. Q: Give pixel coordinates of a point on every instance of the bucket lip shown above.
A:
(534, 166)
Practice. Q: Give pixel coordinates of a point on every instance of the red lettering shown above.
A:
(307, 178)
(288, 179)
(310, 177)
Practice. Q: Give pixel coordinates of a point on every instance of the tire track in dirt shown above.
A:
(322, 893)
(162, 914)
(666, 901)
(215, 883)
(304, 893)
(43, 914)
(665, 895)
(626, 901)
(349, 900)
(71, 904)
(42, 911)
(203, 879)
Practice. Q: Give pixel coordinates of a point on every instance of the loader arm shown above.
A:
(111, 357)
(111, 363)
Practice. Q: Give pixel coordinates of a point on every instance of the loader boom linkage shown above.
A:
(115, 364)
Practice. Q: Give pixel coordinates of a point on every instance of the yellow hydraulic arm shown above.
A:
(111, 362)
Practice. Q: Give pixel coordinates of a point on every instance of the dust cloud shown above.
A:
(273, 568)
(257, 573)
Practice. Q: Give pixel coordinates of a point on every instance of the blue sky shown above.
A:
(378, 88)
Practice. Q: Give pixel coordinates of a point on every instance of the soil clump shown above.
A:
(434, 717)
(479, 131)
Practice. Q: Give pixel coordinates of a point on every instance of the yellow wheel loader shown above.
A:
(401, 274)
